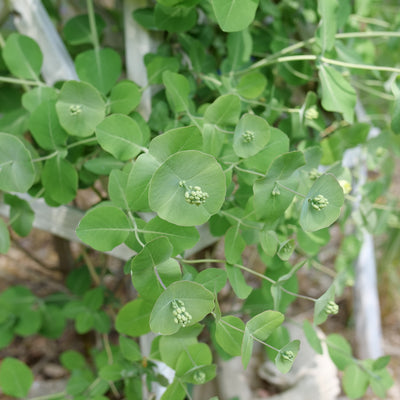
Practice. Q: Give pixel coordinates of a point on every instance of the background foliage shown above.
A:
(253, 108)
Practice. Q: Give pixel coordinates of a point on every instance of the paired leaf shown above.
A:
(22, 56)
(177, 91)
(234, 15)
(337, 93)
(125, 96)
(251, 135)
(198, 302)
(120, 135)
(15, 377)
(225, 110)
(45, 127)
(133, 318)
(17, 172)
(80, 108)
(100, 67)
(150, 265)
(193, 169)
(314, 219)
(60, 180)
(103, 227)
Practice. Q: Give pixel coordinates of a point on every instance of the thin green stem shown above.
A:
(320, 267)
(290, 190)
(92, 24)
(277, 57)
(378, 93)
(135, 227)
(248, 171)
(249, 270)
(360, 66)
(255, 273)
(80, 142)
(21, 82)
(202, 261)
(51, 155)
(107, 348)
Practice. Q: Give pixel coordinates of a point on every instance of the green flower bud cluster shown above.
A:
(181, 316)
(314, 174)
(199, 377)
(312, 113)
(248, 136)
(288, 355)
(331, 308)
(194, 195)
(276, 191)
(319, 202)
(75, 109)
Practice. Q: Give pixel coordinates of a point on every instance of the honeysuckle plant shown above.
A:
(251, 116)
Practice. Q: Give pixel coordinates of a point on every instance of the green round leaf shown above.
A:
(251, 85)
(154, 257)
(312, 219)
(46, 128)
(17, 172)
(281, 361)
(174, 140)
(120, 135)
(15, 377)
(180, 237)
(79, 108)
(213, 279)
(177, 90)
(139, 175)
(156, 65)
(197, 300)
(103, 227)
(263, 324)
(130, 349)
(101, 68)
(233, 15)
(251, 135)
(355, 381)
(60, 180)
(195, 169)
(175, 19)
(37, 96)
(77, 29)
(133, 318)
(339, 350)
(22, 56)
(225, 110)
(229, 338)
(125, 97)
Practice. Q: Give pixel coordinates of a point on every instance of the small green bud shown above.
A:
(312, 113)
(319, 202)
(248, 136)
(314, 174)
(331, 308)
(276, 191)
(194, 195)
(346, 186)
(288, 355)
(75, 109)
(182, 317)
(199, 377)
